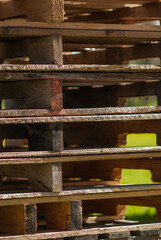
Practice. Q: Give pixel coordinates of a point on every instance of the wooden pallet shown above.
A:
(57, 215)
(78, 124)
(28, 36)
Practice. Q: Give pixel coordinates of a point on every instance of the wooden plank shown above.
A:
(81, 32)
(86, 232)
(78, 112)
(80, 155)
(39, 11)
(147, 12)
(78, 68)
(124, 191)
(84, 78)
(71, 119)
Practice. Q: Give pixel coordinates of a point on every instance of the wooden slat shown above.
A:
(88, 232)
(84, 78)
(81, 32)
(78, 68)
(70, 119)
(80, 155)
(111, 192)
(78, 112)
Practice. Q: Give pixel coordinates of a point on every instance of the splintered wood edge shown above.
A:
(81, 194)
(78, 112)
(70, 119)
(79, 68)
(79, 155)
(86, 232)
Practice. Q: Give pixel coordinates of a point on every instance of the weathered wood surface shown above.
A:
(111, 192)
(78, 112)
(79, 155)
(91, 118)
(81, 32)
(84, 78)
(85, 233)
(79, 68)
(45, 11)
(80, 75)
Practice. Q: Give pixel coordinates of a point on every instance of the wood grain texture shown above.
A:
(46, 177)
(124, 191)
(39, 11)
(81, 32)
(82, 234)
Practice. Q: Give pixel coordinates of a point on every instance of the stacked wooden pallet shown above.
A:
(62, 126)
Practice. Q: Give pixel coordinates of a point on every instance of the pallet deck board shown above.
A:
(41, 157)
(80, 32)
(124, 191)
(86, 232)
(78, 112)
(91, 118)
(79, 68)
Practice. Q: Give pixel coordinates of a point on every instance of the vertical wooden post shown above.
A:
(57, 106)
(19, 219)
(45, 50)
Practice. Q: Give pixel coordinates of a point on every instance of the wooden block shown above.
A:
(87, 237)
(46, 177)
(147, 234)
(56, 95)
(39, 11)
(20, 219)
(45, 50)
(62, 216)
(76, 215)
(116, 235)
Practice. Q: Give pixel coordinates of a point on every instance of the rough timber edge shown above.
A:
(123, 191)
(78, 68)
(71, 119)
(41, 157)
(79, 111)
(85, 232)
